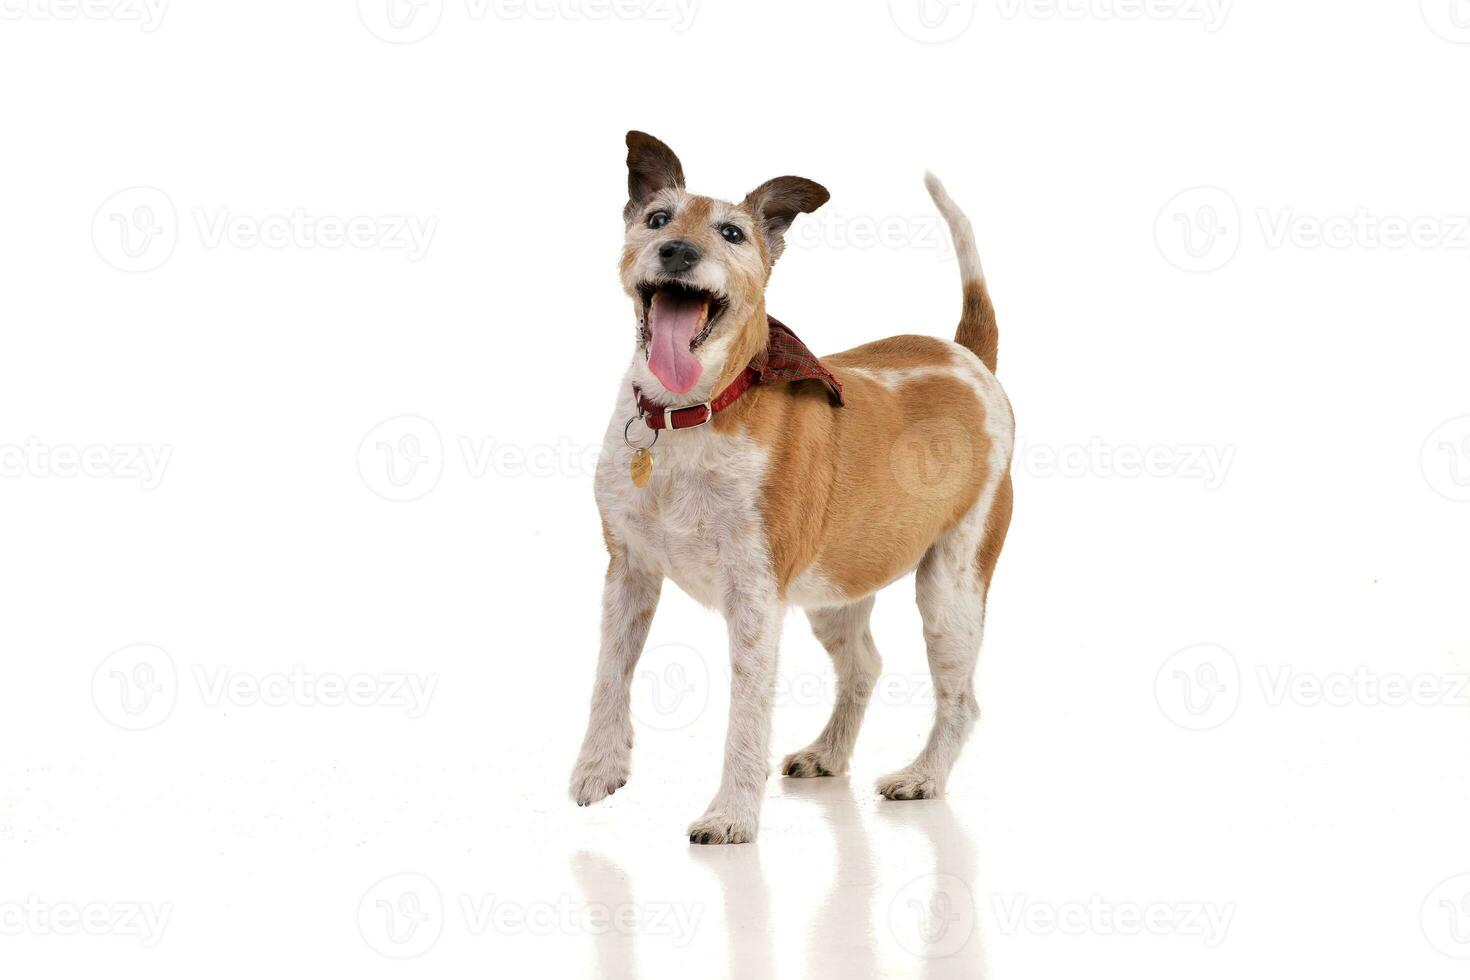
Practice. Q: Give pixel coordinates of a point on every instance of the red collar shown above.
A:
(658, 417)
(785, 358)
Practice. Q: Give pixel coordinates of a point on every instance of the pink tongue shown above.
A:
(672, 324)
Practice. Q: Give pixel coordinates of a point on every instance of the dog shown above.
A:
(757, 478)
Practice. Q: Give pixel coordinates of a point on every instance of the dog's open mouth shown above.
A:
(676, 320)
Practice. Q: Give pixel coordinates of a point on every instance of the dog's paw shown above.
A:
(597, 780)
(910, 784)
(812, 762)
(718, 827)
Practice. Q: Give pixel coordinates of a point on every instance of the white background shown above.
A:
(1276, 322)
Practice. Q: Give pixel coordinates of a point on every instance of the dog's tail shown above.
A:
(977, 329)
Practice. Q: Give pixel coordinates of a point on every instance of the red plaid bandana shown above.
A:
(786, 358)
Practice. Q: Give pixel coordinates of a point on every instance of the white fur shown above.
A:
(959, 230)
(964, 367)
(810, 589)
(697, 522)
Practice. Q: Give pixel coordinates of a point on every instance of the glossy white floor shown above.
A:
(246, 832)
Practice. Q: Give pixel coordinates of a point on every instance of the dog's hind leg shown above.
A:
(844, 631)
(952, 581)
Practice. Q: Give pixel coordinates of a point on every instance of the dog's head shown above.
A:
(696, 267)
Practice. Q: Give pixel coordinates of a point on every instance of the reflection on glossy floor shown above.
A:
(869, 910)
(1088, 830)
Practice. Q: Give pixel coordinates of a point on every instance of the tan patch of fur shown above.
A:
(861, 493)
(902, 353)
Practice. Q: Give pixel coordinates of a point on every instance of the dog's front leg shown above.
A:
(629, 597)
(754, 615)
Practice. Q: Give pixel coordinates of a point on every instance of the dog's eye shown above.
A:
(732, 234)
(658, 219)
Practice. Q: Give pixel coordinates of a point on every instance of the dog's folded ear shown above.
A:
(778, 201)
(652, 166)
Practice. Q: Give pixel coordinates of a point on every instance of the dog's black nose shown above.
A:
(677, 256)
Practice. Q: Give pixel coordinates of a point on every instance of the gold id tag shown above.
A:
(642, 467)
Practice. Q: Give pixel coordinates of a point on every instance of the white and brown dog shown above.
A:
(766, 492)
